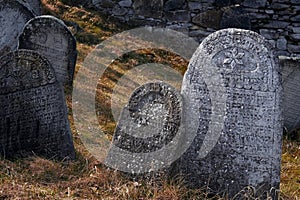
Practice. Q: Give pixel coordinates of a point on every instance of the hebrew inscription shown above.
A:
(51, 37)
(232, 89)
(150, 122)
(13, 17)
(33, 114)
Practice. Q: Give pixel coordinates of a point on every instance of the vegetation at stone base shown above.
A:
(86, 178)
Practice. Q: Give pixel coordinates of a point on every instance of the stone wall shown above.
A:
(277, 20)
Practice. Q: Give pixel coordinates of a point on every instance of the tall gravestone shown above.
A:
(291, 96)
(33, 115)
(232, 91)
(13, 17)
(148, 127)
(51, 37)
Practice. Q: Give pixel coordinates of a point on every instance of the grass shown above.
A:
(86, 178)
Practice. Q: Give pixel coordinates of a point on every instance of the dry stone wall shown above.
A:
(276, 20)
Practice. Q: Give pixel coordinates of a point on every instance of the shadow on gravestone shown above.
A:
(33, 5)
(33, 115)
(13, 17)
(233, 82)
(147, 133)
(51, 38)
(291, 95)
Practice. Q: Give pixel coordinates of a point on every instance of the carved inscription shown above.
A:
(13, 17)
(52, 38)
(148, 130)
(240, 145)
(33, 114)
(155, 111)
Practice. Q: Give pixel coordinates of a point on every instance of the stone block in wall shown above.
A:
(224, 3)
(297, 2)
(268, 33)
(296, 29)
(153, 8)
(178, 16)
(172, 5)
(235, 17)
(277, 24)
(254, 3)
(211, 19)
(281, 44)
(196, 6)
(295, 37)
(103, 3)
(119, 11)
(295, 18)
(293, 48)
(279, 6)
(125, 3)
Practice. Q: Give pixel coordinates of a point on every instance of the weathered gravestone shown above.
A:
(147, 131)
(232, 90)
(51, 38)
(33, 115)
(291, 95)
(33, 5)
(13, 17)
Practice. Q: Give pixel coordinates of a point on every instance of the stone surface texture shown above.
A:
(150, 121)
(33, 115)
(281, 16)
(51, 37)
(291, 95)
(13, 17)
(232, 90)
(33, 5)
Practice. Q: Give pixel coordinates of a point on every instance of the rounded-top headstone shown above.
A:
(148, 130)
(33, 115)
(232, 92)
(51, 38)
(13, 17)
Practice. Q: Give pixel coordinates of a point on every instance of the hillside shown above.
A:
(86, 178)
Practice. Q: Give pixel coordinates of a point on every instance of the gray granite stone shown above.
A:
(152, 8)
(33, 5)
(291, 96)
(172, 5)
(51, 37)
(281, 44)
(125, 3)
(254, 3)
(147, 127)
(13, 17)
(232, 91)
(33, 115)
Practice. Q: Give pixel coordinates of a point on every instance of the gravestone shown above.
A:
(51, 38)
(33, 5)
(291, 95)
(13, 17)
(148, 126)
(33, 115)
(232, 90)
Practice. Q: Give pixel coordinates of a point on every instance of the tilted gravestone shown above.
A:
(148, 127)
(232, 92)
(13, 17)
(51, 38)
(33, 5)
(33, 115)
(291, 96)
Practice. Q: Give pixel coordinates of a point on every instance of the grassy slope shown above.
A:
(85, 178)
